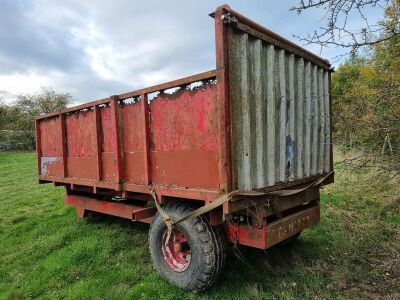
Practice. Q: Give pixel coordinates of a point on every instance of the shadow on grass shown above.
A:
(246, 266)
(95, 218)
(276, 272)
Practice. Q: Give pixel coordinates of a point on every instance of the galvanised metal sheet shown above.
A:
(280, 114)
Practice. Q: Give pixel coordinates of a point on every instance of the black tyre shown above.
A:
(194, 254)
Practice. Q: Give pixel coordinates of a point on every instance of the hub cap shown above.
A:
(176, 251)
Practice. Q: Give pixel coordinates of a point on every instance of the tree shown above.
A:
(45, 101)
(33, 105)
(366, 93)
(8, 115)
(18, 119)
(336, 30)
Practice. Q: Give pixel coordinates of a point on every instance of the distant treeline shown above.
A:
(17, 120)
(366, 102)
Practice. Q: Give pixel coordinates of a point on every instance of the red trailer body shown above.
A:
(124, 143)
(260, 121)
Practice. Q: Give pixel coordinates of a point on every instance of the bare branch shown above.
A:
(337, 32)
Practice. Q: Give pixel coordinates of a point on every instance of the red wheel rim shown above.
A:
(176, 251)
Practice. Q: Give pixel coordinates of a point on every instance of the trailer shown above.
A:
(235, 155)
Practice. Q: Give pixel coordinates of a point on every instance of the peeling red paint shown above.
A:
(183, 141)
(185, 121)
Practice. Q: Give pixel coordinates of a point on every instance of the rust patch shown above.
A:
(81, 140)
(292, 224)
(110, 166)
(50, 137)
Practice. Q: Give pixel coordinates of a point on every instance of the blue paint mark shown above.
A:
(289, 155)
(44, 162)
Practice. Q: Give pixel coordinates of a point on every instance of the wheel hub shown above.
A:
(176, 250)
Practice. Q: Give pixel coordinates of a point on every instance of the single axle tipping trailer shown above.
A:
(243, 149)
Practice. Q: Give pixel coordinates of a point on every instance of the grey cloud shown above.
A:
(171, 38)
(27, 45)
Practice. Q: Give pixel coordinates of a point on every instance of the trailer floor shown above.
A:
(46, 251)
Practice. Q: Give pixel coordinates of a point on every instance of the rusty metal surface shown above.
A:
(184, 139)
(280, 114)
(146, 138)
(50, 147)
(81, 181)
(235, 19)
(133, 141)
(292, 224)
(279, 205)
(247, 235)
(155, 88)
(124, 210)
(171, 141)
(263, 235)
(222, 38)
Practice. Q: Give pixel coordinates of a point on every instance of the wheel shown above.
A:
(193, 255)
(290, 241)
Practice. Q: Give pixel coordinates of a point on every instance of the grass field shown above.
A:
(47, 252)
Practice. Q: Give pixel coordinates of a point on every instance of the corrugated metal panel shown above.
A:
(299, 98)
(280, 114)
(270, 94)
(327, 157)
(307, 120)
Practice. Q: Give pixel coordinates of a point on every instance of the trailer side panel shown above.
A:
(106, 144)
(184, 139)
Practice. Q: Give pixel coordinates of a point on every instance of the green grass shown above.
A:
(47, 252)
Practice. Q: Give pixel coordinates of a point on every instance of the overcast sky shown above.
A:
(93, 49)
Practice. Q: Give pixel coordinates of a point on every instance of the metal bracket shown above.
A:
(229, 19)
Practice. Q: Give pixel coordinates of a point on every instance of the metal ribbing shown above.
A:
(236, 91)
(258, 70)
(300, 117)
(246, 118)
(327, 160)
(281, 124)
(314, 120)
(291, 138)
(271, 114)
(307, 119)
(321, 123)
(252, 58)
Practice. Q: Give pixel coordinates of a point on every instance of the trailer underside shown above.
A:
(260, 222)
